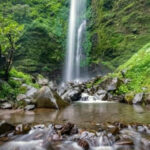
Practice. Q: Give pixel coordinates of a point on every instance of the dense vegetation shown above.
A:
(119, 29)
(38, 31)
(42, 42)
(137, 69)
(116, 30)
(12, 88)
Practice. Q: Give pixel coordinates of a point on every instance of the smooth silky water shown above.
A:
(75, 54)
(86, 115)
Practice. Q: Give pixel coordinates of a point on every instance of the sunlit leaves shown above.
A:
(8, 26)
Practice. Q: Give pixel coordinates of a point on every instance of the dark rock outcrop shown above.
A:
(84, 144)
(71, 91)
(6, 127)
(66, 129)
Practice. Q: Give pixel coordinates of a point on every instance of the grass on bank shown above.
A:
(13, 87)
(137, 70)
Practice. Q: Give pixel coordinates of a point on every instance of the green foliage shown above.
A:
(122, 89)
(119, 29)
(137, 71)
(25, 77)
(21, 75)
(8, 26)
(7, 91)
(44, 25)
(13, 87)
(129, 97)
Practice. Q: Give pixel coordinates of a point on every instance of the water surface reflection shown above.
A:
(82, 114)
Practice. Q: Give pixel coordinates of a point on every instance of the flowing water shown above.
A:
(77, 28)
(87, 116)
(78, 55)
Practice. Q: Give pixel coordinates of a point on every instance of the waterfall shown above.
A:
(78, 55)
(75, 51)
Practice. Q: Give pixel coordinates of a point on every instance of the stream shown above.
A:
(86, 116)
(83, 114)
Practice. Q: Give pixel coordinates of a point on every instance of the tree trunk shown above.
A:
(9, 58)
(0, 51)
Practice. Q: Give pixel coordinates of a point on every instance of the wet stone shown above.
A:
(140, 129)
(6, 127)
(146, 143)
(67, 128)
(74, 130)
(41, 126)
(29, 107)
(125, 142)
(22, 128)
(84, 144)
(6, 105)
(56, 137)
(58, 127)
(113, 129)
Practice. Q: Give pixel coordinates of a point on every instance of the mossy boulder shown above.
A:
(110, 84)
(129, 97)
(138, 99)
(146, 98)
(46, 98)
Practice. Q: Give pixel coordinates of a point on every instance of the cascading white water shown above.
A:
(71, 42)
(77, 27)
(78, 56)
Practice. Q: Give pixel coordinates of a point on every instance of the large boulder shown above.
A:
(116, 98)
(46, 98)
(129, 97)
(6, 127)
(70, 91)
(6, 105)
(31, 92)
(72, 95)
(52, 85)
(21, 97)
(138, 99)
(26, 87)
(42, 81)
(29, 107)
(101, 95)
(64, 87)
(147, 98)
(110, 84)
